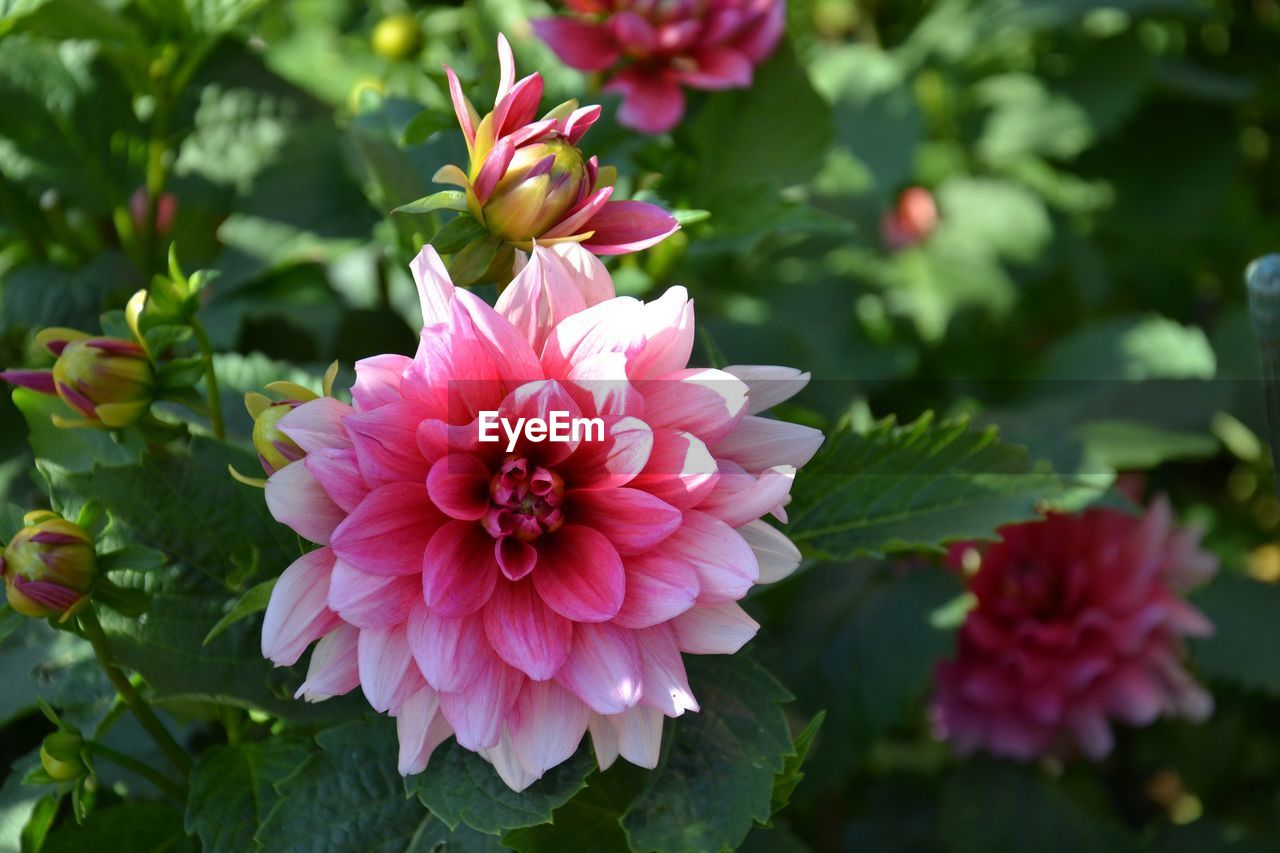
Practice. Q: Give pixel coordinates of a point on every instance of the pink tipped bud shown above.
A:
(911, 221)
(107, 380)
(48, 566)
(275, 449)
(542, 183)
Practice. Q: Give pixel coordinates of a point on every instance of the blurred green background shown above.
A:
(1102, 173)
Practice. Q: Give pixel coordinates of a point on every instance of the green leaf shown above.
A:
(443, 200)
(71, 449)
(1132, 348)
(348, 796)
(1243, 612)
(1128, 446)
(131, 557)
(186, 505)
(716, 776)
(457, 233)
(589, 823)
(785, 785)
(918, 486)
(426, 124)
(20, 804)
(994, 807)
(180, 372)
(233, 790)
(132, 827)
(38, 662)
(254, 600)
(461, 787)
(482, 261)
(68, 19)
(10, 521)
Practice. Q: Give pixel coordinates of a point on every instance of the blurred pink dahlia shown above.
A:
(527, 180)
(516, 599)
(1078, 622)
(659, 47)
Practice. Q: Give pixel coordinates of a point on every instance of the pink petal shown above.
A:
(613, 462)
(477, 711)
(546, 725)
(639, 732)
(435, 288)
(768, 385)
(297, 614)
(759, 39)
(717, 629)
(651, 102)
(758, 443)
(604, 740)
(494, 167)
(334, 668)
(518, 107)
(659, 588)
(633, 521)
(600, 386)
(725, 564)
(295, 498)
(740, 497)
(615, 326)
(538, 400)
(462, 108)
(371, 601)
(317, 425)
(603, 668)
(338, 474)
(459, 572)
(389, 531)
(580, 121)
(516, 559)
(706, 402)
(579, 574)
(680, 469)
(36, 380)
(506, 68)
(718, 68)
(666, 685)
(449, 652)
(575, 223)
(628, 226)
(507, 764)
(420, 728)
(386, 444)
(555, 283)
(579, 45)
(378, 381)
(459, 486)
(777, 555)
(633, 31)
(525, 632)
(388, 674)
(668, 328)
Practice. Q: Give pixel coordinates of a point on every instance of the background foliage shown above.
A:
(1103, 171)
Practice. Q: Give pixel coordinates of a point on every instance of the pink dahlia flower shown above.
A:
(660, 47)
(527, 179)
(515, 596)
(1078, 622)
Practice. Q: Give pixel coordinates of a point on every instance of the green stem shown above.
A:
(165, 786)
(97, 638)
(210, 379)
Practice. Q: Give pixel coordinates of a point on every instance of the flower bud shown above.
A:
(48, 566)
(542, 183)
(61, 756)
(108, 380)
(275, 449)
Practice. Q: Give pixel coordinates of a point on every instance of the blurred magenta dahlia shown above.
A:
(516, 598)
(527, 180)
(658, 47)
(1078, 623)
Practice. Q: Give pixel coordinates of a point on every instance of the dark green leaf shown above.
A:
(914, 487)
(589, 823)
(461, 787)
(233, 790)
(993, 807)
(716, 777)
(254, 600)
(785, 785)
(349, 797)
(132, 827)
(131, 557)
(457, 233)
(1243, 612)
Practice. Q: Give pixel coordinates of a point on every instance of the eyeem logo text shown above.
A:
(558, 426)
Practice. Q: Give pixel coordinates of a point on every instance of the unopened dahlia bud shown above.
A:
(48, 566)
(108, 380)
(62, 756)
(275, 449)
(543, 181)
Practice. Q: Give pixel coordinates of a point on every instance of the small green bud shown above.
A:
(108, 380)
(62, 757)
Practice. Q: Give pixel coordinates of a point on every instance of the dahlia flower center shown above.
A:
(524, 501)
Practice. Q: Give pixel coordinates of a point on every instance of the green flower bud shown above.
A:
(275, 449)
(108, 380)
(61, 755)
(48, 566)
(542, 183)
